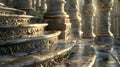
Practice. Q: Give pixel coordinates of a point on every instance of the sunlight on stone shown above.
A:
(59, 33)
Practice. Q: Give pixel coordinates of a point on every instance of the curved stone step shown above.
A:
(21, 31)
(43, 43)
(7, 10)
(2, 5)
(10, 19)
(36, 59)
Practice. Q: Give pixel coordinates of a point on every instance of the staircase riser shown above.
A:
(14, 20)
(44, 45)
(60, 59)
(9, 11)
(18, 32)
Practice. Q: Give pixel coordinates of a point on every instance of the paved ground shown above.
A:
(90, 57)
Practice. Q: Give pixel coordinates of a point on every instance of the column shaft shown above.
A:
(74, 15)
(24, 5)
(104, 8)
(43, 7)
(104, 38)
(57, 18)
(88, 15)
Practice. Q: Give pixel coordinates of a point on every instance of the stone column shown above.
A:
(104, 8)
(114, 18)
(104, 40)
(118, 36)
(57, 18)
(33, 3)
(43, 7)
(24, 5)
(88, 15)
(37, 5)
(75, 19)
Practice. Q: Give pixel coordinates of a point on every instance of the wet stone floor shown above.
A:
(91, 55)
(87, 54)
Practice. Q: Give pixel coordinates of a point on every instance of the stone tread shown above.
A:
(20, 60)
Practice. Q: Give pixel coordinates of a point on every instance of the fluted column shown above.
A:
(57, 18)
(75, 19)
(104, 38)
(88, 14)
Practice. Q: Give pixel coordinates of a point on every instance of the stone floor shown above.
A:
(84, 54)
(88, 56)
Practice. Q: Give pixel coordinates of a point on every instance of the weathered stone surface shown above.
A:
(88, 15)
(104, 8)
(43, 43)
(104, 40)
(82, 54)
(23, 4)
(103, 47)
(57, 18)
(2, 5)
(50, 59)
(74, 15)
(57, 24)
(21, 31)
(54, 11)
(43, 7)
(23, 44)
(6, 19)
(6, 10)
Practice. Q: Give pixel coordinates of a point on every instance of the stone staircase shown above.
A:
(25, 43)
(6, 10)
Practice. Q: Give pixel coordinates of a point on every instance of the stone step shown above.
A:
(27, 59)
(21, 31)
(7, 10)
(44, 43)
(10, 19)
(2, 5)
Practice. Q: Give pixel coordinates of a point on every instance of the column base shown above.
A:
(104, 40)
(88, 35)
(62, 25)
(109, 34)
(117, 42)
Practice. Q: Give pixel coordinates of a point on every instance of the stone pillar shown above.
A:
(24, 5)
(114, 18)
(57, 18)
(37, 5)
(104, 8)
(33, 3)
(118, 37)
(104, 40)
(88, 15)
(43, 7)
(74, 15)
